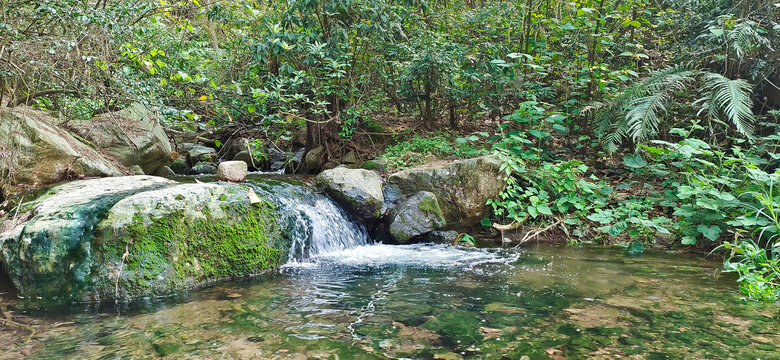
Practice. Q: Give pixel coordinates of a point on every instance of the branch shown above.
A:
(26, 100)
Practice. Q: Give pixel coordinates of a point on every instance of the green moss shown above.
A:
(175, 252)
(429, 206)
(370, 165)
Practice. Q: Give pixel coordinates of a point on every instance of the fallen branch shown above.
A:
(528, 236)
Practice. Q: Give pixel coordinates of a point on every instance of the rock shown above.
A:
(329, 165)
(379, 165)
(442, 236)
(199, 153)
(314, 159)
(164, 349)
(274, 154)
(246, 157)
(232, 171)
(165, 172)
(350, 158)
(203, 168)
(300, 137)
(133, 135)
(416, 216)
(69, 245)
(358, 191)
(179, 166)
(636, 248)
(296, 165)
(183, 148)
(461, 187)
(137, 170)
(33, 151)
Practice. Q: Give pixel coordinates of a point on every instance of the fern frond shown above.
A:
(731, 99)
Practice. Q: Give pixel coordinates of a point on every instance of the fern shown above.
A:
(730, 99)
(638, 112)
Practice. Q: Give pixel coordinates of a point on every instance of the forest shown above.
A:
(616, 121)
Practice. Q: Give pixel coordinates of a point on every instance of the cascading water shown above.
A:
(316, 224)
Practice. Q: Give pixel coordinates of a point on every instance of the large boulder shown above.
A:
(133, 135)
(358, 191)
(462, 187)
(138, 236)
(33, 151)
(418, 215)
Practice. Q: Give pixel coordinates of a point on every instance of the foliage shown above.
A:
(418, 149)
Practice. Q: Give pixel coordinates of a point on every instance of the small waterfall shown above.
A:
(315, 224)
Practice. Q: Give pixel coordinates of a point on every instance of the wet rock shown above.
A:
(461, 187)
(204, 169)
(358, 191)
(275, 155)
(314, 159)
(70, 245)
(232, 171)
(416, 216)
(165, 172)
(179, 166)
(136, 170)
(442, 236)
(33, 151)
(133, 135)
(636, 248)
(201, 154)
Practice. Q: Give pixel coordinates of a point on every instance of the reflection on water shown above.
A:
(436, 301)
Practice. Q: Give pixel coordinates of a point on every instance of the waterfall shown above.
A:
(314, 222)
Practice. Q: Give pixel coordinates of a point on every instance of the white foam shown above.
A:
(417, 255)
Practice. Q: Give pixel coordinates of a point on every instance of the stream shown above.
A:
(342, 297)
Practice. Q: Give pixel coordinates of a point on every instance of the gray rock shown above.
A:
(69, 246)
(300, 137)
(358, 191)
(416, 216)
(165, 172)
(200, 153)
(204, 169)
(297, 161)
(275, 155)
(462, 187)
(33, 151)
(232, 171)
(314, 159)
(379, 165)
(442, 236)
(133, 135)
(136, 170)
(350, 158)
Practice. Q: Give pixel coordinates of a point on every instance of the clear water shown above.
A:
(432, 301)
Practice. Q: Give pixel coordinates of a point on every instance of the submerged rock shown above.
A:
(462, 187)
(418, 215)
(129, 237)
(33, 151)
(358, 191)
(232, 171)
(133, 135)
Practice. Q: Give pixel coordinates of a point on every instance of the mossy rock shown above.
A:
(418, 215)
(358, 191)
(134, 237)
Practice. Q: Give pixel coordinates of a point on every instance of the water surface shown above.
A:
(434, 301)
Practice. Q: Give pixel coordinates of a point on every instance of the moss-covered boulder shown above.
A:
(133, 135)
(358, 191)
(34, 151)
(138, 236)
(416, 216)
(462, 187)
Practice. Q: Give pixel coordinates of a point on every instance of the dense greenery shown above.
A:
(617, 119)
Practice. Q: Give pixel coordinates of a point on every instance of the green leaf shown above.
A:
(544, 209)
(688, 240)
(634, 161)
(711, 232)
